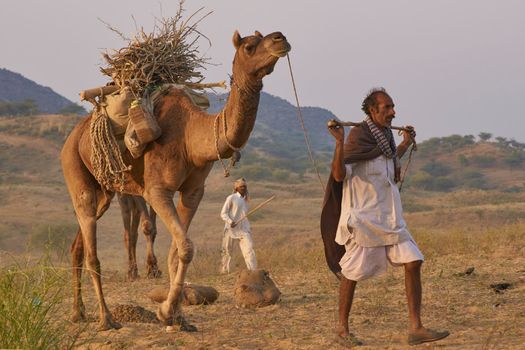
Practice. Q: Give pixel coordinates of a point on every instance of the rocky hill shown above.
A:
(15, 88)
(464, 162)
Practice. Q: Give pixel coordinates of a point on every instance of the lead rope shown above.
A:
(216, 133)
(300, 116)
(412, 149)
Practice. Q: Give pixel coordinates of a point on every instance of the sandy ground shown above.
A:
(476, 315)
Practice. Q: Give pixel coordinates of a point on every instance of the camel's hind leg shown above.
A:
(90, 204)
(79, 254)
(130, 218)
(77, 259)
(149, 228)
(181, 251)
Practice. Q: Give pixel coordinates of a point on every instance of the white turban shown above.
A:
(238, 183)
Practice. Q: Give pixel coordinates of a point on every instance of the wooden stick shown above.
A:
(96, 92)
(253, 210)
(333, 123)
(221, 84)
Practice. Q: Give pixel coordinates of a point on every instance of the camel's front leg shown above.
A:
(181, 252)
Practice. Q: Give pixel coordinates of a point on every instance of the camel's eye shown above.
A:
(250, 49)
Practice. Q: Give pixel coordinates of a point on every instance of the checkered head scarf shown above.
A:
(388, 148)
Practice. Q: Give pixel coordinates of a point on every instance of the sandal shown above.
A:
(428, 336)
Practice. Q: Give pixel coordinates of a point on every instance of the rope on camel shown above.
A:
(300, 116)
(106, 158)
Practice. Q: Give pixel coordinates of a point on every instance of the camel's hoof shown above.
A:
(154, 272)
(166, 320)
(183, 328)
(78, 316)
(79, 312)
(133, 273)
(108, 324)
(132, 276)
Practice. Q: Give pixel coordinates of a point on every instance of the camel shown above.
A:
(180, 160)
(134, 211)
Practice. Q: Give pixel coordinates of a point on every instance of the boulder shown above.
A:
(255, 289)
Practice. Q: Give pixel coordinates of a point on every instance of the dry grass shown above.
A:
(480, 229)
(288, 245)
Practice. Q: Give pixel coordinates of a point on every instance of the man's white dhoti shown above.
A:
(371, 226)
(360, 263)
(246, 245)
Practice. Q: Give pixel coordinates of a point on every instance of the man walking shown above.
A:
(369, 221)
(237, 227)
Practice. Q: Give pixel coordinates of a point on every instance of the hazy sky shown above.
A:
(452, 66)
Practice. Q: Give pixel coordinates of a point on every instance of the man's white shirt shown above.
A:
(233, 209)
(371, 211)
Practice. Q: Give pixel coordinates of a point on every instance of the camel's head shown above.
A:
(256, 55)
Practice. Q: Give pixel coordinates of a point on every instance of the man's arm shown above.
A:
(338, 163)
(225, 212)
(408, 139)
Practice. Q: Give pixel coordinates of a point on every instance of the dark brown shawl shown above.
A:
(359, 145)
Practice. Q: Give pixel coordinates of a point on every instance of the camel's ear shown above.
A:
(258, 33)
(236, 39)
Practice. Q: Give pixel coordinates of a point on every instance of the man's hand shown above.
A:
(233, 224)
(409, 136)
(338, 132)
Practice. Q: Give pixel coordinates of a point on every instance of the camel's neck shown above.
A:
(239, 113)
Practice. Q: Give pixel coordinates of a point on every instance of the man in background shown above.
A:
(237, 227)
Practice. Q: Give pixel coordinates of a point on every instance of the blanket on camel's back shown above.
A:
(360, 145)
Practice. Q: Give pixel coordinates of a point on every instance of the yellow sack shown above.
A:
(144, 123)
(117, 105)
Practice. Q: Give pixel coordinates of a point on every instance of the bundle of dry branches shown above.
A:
(167, 55)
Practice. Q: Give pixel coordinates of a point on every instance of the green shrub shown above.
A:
(422, 180)
(436, 168)
(30, 299)
(425, 181)
(281, 175)
(514, 159)
(463, 160)
(443, 184)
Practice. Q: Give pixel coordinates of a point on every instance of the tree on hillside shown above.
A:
(26, 107)
(502, 140)
(71, 109)
(515, 144)
(484, 136)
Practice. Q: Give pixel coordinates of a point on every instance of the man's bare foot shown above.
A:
(424, 335)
